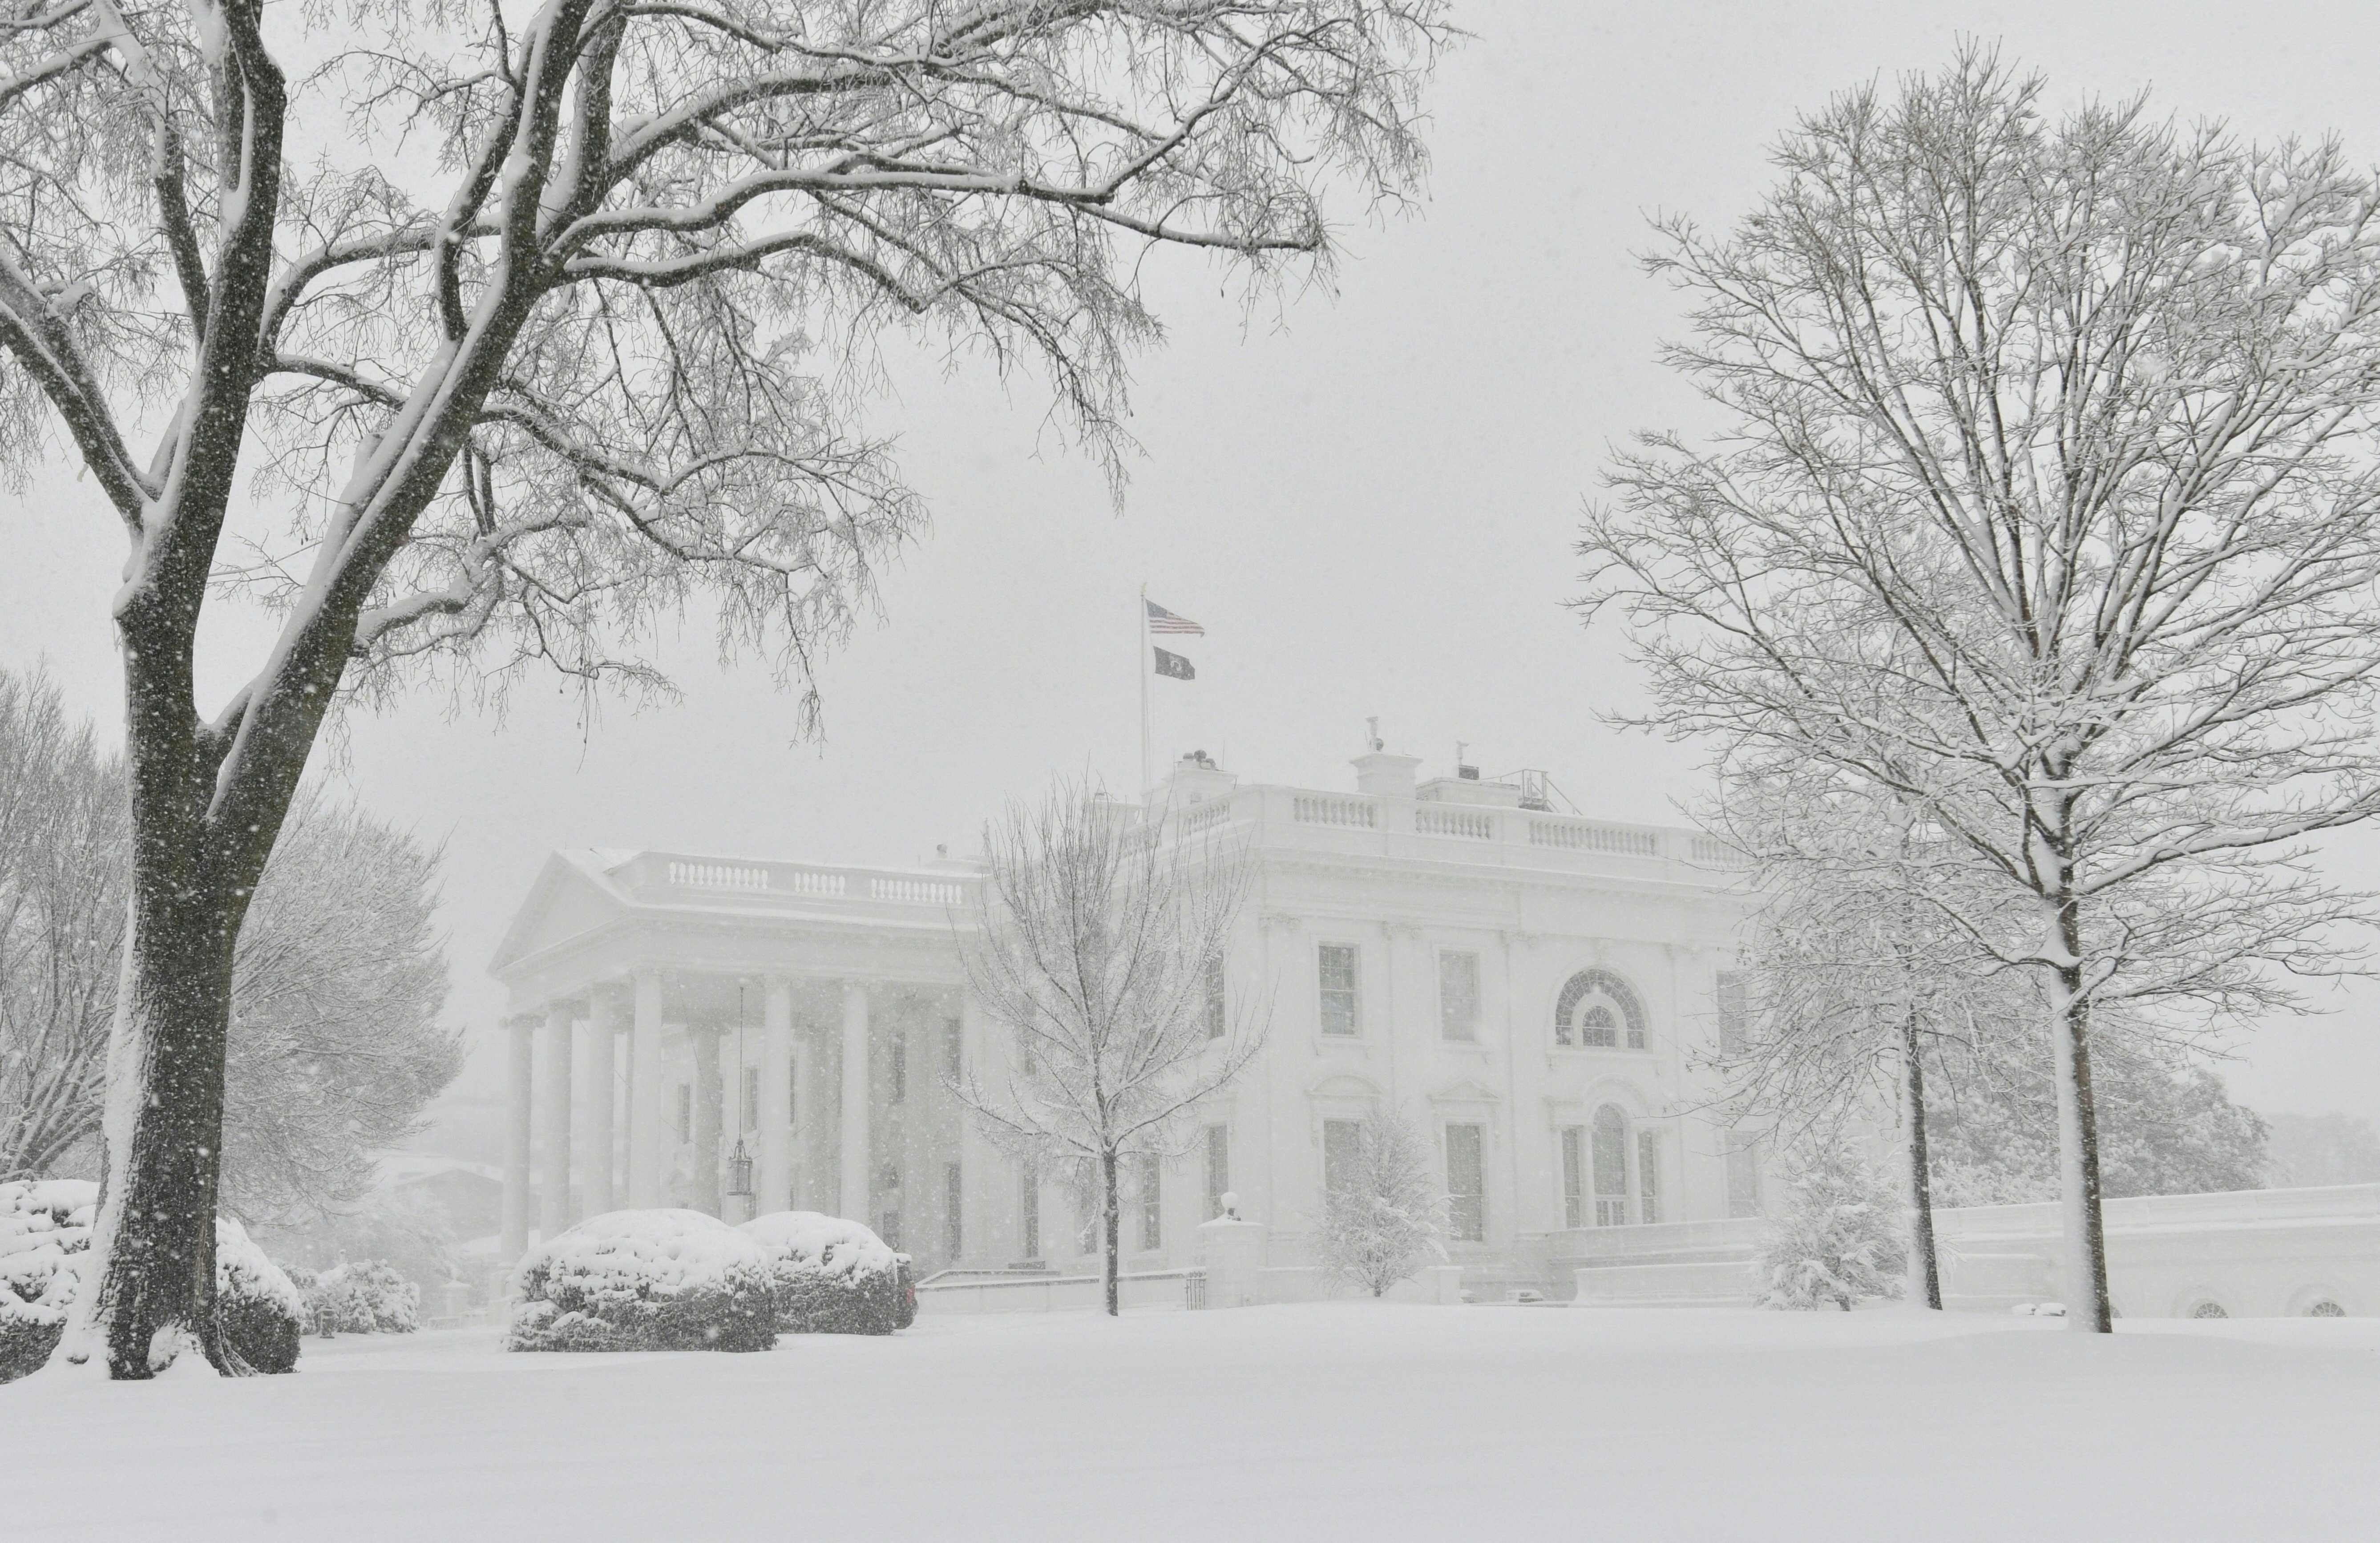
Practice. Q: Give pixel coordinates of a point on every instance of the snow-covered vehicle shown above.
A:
(645, 1279)
(44, 1239)
(833, 1276)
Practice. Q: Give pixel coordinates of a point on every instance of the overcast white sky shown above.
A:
(1368, 500)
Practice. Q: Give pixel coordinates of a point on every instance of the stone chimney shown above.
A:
(1384, 775)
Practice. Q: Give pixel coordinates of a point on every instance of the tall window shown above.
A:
(793, 1091)
(1219, 1168)
(749, 1115)
(1599, 1011)
(954, 1050)
(1743, 1173)
(685, 1112)
(1341, 1006)
(1466, 1183)
(1732, 1039)
(1573, 1153)
(900, 1067)
(954, 1212)
(1218, 1012)
(1152, 1216)
(1342, 1142)
(1648, 1176)
(1610, 1140)
(1458, 993)
(1028, 1209)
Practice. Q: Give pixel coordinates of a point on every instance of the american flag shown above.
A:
(1162, 620)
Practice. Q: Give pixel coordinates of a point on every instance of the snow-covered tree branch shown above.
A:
(2046, 503)
(536, 320)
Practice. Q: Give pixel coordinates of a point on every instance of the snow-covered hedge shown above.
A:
(41, 1225)
(363, 1297)
(833, 1276)
(44, 1235)
(645, 1280)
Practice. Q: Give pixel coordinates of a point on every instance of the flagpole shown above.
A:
(1143, 656)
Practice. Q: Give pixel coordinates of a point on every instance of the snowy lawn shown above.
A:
(1336, 1420)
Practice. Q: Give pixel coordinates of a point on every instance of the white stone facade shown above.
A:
(1412, 947)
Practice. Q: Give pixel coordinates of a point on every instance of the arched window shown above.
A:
(2209, 1309)
(1609, 1142)
(2325, 1308)
(1599, 1011)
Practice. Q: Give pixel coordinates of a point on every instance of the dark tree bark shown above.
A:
(1115, 1226)
(1921, 1177)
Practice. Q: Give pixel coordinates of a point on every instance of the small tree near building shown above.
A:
(1838, 1238)
(1380, 1217)
(1098, 926)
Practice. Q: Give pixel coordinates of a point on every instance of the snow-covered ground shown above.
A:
(1335, 1420)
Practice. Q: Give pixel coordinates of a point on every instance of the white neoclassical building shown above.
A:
(1524, 984)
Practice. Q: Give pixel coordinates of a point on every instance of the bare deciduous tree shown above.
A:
(1100, 946)
(334, 1047)
(548, 320)
(2046, 502)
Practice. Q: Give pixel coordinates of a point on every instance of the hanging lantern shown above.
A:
(739, 1172)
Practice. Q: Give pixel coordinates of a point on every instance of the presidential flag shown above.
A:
(1162, 620)
(1173, 666)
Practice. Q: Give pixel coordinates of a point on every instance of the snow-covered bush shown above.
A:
(833, 1276)
(1380, 1221)
(1838, 1237)
(645, 1279)
(260, 1308)
(42, 1224)
(45, 1234)
(365, 1297)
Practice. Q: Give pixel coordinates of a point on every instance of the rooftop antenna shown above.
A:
(1372, 732)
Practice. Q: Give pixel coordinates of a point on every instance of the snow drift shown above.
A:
(645, 1280)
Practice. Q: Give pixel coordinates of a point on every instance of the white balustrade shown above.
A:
(1320, 809)
(918, 892)
(1580, 835)
(717, 876)
(1470, 825)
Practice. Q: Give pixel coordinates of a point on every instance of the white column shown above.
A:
(647, 1116)
(520, 1057)
(854, 1163)
(554, 1203)
(606, 1016)
(810, 1122)
(710, 1106)
(774, 1185)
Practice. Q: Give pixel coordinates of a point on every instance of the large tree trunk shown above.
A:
(1114, 1223)
(2088, 1307)
(1925, 1269)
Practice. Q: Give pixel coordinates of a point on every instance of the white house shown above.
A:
(1524, 984)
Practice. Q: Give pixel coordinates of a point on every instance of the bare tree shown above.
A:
(561, 321)
(2046, 502)
(1099, 945)
(62, 854)
(1857, 966)
(334, 1046)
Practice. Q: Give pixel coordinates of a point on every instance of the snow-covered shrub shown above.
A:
(833, 1276)
(1380, 1221)
(645, 1279)
(44, 1237)
(1838, 1237)
(258, 1309)
(42, 1225)
(365, 1297)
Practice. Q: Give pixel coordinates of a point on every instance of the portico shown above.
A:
(664, 1008)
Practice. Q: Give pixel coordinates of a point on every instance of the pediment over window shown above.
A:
(1466, 1091)
(1345, 1085)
